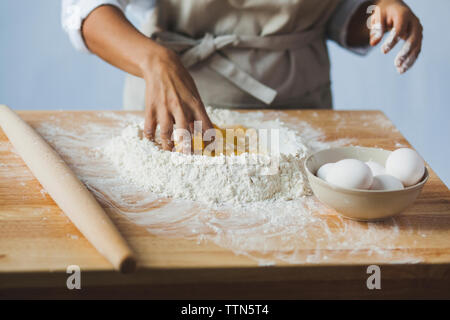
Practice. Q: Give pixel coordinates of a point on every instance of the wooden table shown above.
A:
(35, 248)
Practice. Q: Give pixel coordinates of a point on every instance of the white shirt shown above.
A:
(75, 11)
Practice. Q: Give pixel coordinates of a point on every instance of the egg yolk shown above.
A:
(228, 141)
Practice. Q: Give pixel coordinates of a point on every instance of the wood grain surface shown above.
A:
(37, 242)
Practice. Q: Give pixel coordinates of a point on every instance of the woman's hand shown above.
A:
(396, 16)
(171, 97)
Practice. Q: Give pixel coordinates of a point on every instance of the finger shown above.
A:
(390, 41)
(166, 129)
(403, 64)
(150, 125)
(399, 31)
(206, 122)
(191, 126)
(182, 116)
(183, 133)
(409, 62)
(377, 28)
(411, 47)
(376, 34)
(201, 118)
(193, 105)
(200, 114)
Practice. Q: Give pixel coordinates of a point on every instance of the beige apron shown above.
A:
(246, 53)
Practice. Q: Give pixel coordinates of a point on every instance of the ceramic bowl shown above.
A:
(365, 205)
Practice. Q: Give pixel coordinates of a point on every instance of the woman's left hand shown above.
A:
(396, 16)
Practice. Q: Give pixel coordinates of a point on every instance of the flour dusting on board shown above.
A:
(268, 230)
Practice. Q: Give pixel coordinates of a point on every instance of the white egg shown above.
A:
(350, 173)
(406, 165)
(386, 182)
(324, 170)
(376, 168)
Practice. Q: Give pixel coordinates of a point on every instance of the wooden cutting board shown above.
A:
(37, 242)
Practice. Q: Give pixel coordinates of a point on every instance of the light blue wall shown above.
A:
(40, 70)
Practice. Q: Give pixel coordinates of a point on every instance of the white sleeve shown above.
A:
(75, 11)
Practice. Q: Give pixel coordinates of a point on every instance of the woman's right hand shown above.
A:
(171, 97)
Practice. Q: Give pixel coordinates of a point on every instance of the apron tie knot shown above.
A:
(206, 47)
(207, 50)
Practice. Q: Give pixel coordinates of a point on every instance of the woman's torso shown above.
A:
(300, 76)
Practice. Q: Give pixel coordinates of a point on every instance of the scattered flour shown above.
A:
(43, 192)
(73, 236)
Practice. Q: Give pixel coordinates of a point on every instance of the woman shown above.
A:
(232, 53)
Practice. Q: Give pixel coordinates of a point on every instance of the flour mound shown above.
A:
(214, 180)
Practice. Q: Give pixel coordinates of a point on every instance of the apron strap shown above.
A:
(208, 48)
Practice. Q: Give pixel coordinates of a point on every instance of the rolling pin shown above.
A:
(69, 193)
